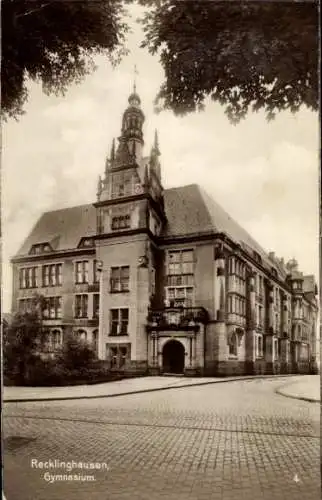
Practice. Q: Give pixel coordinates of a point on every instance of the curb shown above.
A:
(280, 392)
(142, 391)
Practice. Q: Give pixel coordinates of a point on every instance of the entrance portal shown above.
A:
(173, 357)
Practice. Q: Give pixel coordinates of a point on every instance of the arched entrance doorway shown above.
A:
(173, 357)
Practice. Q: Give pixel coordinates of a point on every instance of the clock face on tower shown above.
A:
(138, 189)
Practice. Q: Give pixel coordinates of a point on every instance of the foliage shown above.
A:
(246, 55)
(76, 355)
(53, 41)
(22, 342)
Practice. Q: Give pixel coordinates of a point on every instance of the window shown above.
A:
(113, 357)
(96, 305)
(81, 335)
(56, 339)
(260, 315)
(81, 272)
(121, 222)
(123, 356)
(180, 279)
(233, 345)
(25, 305)
(95, 340)
(52, 275)
(259, 346)
(96, 272)
(121, 184)
(276, 349)
(28, 277)
(40, 248)
(119, 321)
(81, 306)
(118, 355)
(120, 277)
(52, 308)
(153, 281)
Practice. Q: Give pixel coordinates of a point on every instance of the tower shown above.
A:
(130, 214)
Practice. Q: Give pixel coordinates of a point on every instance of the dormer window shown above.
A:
(257, 257)
(86, 242)
(40, 248)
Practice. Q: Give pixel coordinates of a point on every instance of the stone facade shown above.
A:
(144, 275)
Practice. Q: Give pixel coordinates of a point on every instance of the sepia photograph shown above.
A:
(160, 210)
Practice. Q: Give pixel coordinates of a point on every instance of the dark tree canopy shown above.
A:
(53, 41)
(246, 55)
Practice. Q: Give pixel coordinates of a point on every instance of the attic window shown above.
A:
(274, 272)
(257, 257)
(86, 242)
(40, 248)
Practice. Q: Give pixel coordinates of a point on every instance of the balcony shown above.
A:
(177, 318)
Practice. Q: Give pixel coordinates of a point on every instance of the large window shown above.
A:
(96, 305)
(28, 277)
(180, 278)
(121, 184)
(236, 304)
(81, 335)
(233, 345)
(120, 278)
(81, 271)
(81, 306)
(25, 305)
(52, 275)
(118, 355)
(96, 272)
(121, 222)
(119, 321)
(52, 308)
(259, 345)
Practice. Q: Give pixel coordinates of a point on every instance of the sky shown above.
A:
(265, 174)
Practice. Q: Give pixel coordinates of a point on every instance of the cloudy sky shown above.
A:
(264, 174)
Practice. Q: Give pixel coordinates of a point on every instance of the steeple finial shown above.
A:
(134, 79)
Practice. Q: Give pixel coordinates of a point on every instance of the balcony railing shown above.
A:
(177, 318)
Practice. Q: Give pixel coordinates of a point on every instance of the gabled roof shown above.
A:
(190, 210)
(62, 228)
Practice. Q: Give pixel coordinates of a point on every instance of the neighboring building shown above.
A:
(164, 281)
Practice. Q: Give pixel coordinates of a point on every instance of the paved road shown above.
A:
(228, 441)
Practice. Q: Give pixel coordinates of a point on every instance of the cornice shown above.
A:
(50, 255)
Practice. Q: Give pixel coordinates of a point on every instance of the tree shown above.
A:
(76, 355)
(246, 55)
(23, 340)
(54, 41)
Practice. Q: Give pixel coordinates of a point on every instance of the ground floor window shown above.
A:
(259, 345)
(233, 345)
(118, 355)
(276, 349)
(81, 335)
(95, 340)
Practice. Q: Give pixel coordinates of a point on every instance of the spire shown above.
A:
(113, 150)
(156, 142)
(99, 185)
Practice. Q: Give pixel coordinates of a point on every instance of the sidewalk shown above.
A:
(306, 388)
(118, 388)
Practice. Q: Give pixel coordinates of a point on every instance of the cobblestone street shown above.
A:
(228, 441)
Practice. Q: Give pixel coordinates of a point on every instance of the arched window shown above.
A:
(56, 338)
(233, 345)
(81, 335)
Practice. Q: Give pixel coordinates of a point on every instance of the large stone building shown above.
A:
(164, 281)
